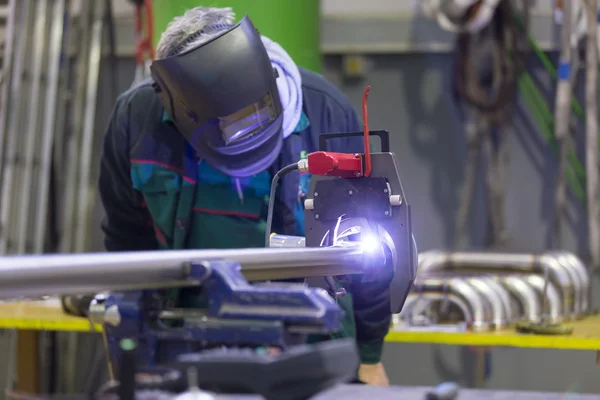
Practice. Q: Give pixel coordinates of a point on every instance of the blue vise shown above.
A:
(235, 314)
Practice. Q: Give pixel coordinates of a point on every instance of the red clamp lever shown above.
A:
(342, 165)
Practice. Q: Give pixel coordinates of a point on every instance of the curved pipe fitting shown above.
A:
(416, 299)
(433, 261)
(526, 297)
(553, 309)
(499, 303)
(480, 309)
(571, 261)
(504, 297)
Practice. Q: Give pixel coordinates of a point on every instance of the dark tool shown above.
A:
(444, 391)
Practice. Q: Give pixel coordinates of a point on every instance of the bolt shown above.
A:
(357, 174)
(350, 192)
(316, 216)
(387, 213)
(316, 194)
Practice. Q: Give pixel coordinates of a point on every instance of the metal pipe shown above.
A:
(554, 303)
(480, 309)
(72, 162)
(279, 241)
(7, 67)
(27, 276)
(30, 136)
(504, 296)
(85, 183)
(416, 299)
(580, 277)
(584, 276)
(562, 112)
(10, 183)
(433, 261)
(500, 310)
(525, 295)
(591, 133)
(56, 41)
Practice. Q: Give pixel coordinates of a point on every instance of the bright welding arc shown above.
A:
(367, 171)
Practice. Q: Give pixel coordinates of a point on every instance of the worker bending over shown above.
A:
(188, 156)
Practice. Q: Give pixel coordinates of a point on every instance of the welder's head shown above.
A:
(217, 85)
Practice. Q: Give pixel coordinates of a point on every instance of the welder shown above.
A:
(189, 154)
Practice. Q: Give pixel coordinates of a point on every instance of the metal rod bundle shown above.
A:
(47, 124)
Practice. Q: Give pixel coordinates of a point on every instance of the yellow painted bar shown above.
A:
(48, 315)
(43, 316)
(585, 336)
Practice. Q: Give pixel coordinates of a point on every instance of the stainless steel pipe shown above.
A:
(553, 310)
(481, 308)
(408, 314)
(500, 309)
(433, 261)
(526, 298)
(35, 276)
(571, 261)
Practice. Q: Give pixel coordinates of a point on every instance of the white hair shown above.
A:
(184, 32)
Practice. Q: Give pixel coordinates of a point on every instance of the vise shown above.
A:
(232, 313)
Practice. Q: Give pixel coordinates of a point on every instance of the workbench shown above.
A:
(48, 315)
(359, 392)
(363, 392)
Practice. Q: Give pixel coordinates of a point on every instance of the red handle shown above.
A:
(367, 171)
(144, 42)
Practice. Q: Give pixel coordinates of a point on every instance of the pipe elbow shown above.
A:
(479, 309)
(529, 304)
(554, 303)
(550, 265)
(583, 275)
(500, 308)
(431, 260)
(416, 302)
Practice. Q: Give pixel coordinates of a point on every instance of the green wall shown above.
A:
(294, 24)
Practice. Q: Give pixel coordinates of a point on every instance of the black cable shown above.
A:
(276, 177)
(492, 95)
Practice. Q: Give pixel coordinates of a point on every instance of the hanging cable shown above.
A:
(284, 171)
(489, 92)
(508, 51)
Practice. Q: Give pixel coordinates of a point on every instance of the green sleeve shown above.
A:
(370, 353)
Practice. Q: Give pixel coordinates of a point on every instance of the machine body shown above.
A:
(372, 209)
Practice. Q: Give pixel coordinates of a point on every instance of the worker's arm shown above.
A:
(127, 224)
(370, 300)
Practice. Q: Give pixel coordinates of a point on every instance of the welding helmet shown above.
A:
(222, 96)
